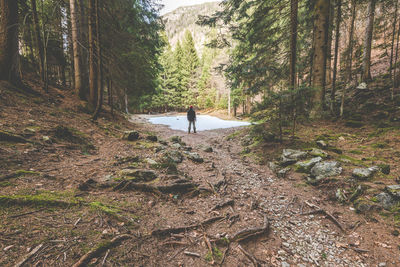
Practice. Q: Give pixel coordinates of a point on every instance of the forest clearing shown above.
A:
(295, 158)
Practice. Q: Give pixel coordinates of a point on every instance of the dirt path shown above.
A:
(302, 240)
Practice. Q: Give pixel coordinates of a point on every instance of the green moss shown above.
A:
(356, 152)
(5, 184)
(379, 145)
(354, 161)
(47, 199)
(233, 135)
(25, 172)
(107, 209)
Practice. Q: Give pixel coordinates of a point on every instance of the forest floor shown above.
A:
(73, 190)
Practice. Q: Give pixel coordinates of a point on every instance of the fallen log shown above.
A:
(85, 259)
(176, 230)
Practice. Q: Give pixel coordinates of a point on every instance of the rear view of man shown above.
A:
(191, 116)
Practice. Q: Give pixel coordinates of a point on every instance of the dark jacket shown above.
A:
(191, 115)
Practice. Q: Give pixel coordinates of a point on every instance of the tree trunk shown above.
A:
(293, 42)
(329, 45)
(321, 26)
(366, 66)
(350, 55)
(38, 39)
(93, 71)
(392, 45)
(395, 61)
(335, 59)
(99, 64)
(77, 57)
(9, 41)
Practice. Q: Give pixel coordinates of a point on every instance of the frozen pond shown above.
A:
(203, 123)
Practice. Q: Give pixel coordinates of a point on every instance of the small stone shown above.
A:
(151, 161)
(193, 156)
(382, 264)
(362, 86)
(152, 138)
(282, 173)
(46, 139)
(208, 149)
(362, 173)
(285, 264)
(316, 152)
(130, 135)
(321, 143)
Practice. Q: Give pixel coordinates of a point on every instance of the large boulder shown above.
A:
(131, 135)
(364, 173)
(290, 156)
(305, 166)
(139, 175)
(323, 170)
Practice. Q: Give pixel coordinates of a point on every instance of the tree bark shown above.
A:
(99, 64)
(9, 70)
(77, 57)
(394, 80)
(321, 26)
(38, 39)
(335, 59)
(392, 44)
(329, 45)
(293, 42)
(350, 54)
(93, 71)
(366, 66)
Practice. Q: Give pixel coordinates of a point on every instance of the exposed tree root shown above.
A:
(163, 232)
(85, 259)
(229, 202)
(10, 137)
(253, 259)
(250, 232)
(327, 214)
(166, 189)
(28, 256)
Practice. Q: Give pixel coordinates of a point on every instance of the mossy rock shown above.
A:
(354, 124)
(305, 166)
(152, 138)
(363, 205)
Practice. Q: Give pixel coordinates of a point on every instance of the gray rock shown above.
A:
(363, 205)
(326, 169)
(316, 152)
(139, 175)
(362, 86)
(193, 156)
(285, 264)
(386, 200)
(208, 149)
(290, 156)
(46, 139)
(152, 138)
(176, 139)
(160, 148)
(176, 146)
(305, 166)
(175, 156)
(282, 173)
(393, 190)
(321, 143)
(130, 135)
(151, 161)
(273, 166)
(362, 173)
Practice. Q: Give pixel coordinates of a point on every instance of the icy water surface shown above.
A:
(203, 123)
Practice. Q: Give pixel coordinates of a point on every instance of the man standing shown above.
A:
(191, 116)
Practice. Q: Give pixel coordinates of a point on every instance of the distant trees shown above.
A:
(63, 42)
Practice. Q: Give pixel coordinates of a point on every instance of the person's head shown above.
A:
(191, 107)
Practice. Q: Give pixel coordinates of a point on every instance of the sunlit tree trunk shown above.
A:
(321, 26)
(293, 42)
(392, 44)
(350, 55)
(93, 85)
(75, 46)
(335, 59)
(38, 39)
(366, 66)
(99, 63)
